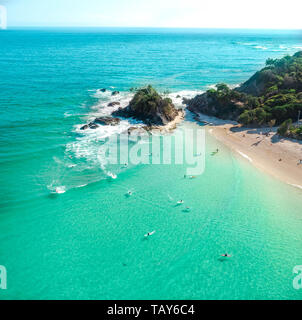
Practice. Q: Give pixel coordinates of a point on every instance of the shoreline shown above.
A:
(262, 147)
(172, 125)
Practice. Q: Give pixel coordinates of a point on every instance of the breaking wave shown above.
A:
(84, 161)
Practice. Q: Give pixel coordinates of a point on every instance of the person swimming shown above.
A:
(180, 202)
(226, 255)
(149, 234)
(215, 152)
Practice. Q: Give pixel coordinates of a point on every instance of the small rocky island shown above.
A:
(148, 106)
(272, 96)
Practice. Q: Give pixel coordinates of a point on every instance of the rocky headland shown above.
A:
(270, 97)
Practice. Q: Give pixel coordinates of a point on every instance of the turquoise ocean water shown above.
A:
(88, 243)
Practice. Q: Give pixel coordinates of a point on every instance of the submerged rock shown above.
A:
(148, 106)
(114, 93)
(85, 127)
(90, 126)
(185, 100)
(104, 121)
(107, 121)
(139, 130)
(113, 104)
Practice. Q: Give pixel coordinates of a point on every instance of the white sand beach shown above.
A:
(262, 147)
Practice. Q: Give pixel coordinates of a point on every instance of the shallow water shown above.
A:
(88, 243)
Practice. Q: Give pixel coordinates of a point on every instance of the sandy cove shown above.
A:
(170, 126)
(270, 153)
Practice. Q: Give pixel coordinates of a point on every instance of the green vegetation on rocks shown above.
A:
(147, 105)
(271, 95)
(287, 129)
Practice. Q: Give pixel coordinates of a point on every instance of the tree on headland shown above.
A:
(149, 106)
(285, 126)
(271, 123)
(270, 97)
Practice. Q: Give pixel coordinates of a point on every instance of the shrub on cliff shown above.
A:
(295, 133)
(273, 93)
(285, 126)
(257, 116)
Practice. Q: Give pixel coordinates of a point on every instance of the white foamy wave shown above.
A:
(178, 96)
(85, 145)
(58, 190)
(246, 43)
(112, 175)
(296, 186)
(253, 45)
(82, 185)
(245, 156)
(90, 145)
(98, 93)
(272, 47)
(261, 47)
(211, 86)
(231, 86)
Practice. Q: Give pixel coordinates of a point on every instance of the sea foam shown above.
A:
(245, 156)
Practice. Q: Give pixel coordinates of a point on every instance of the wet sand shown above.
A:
(263, 147)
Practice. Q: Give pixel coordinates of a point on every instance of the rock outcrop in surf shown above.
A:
(148, 106)
(113, 104)
(103, 121)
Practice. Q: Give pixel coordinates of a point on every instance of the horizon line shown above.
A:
(150, 27)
